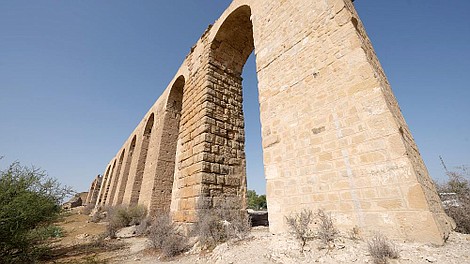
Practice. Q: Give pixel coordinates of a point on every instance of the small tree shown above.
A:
(29, 203)
(458, 207)
(255, 201)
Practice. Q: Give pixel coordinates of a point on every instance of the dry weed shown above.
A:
(299, 225)
(381, 249)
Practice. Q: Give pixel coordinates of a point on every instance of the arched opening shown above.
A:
(125, 174)
(230, 50)
(116, 178)
(103, 186)
(108, 182)
(137, 185)
(164, 174)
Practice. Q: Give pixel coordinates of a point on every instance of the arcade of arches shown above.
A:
(333, 135)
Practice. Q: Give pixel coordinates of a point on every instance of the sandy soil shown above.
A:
(260, 247)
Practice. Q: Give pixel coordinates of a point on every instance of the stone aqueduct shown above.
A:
(333, 134)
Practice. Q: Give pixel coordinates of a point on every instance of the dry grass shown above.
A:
(381, 249)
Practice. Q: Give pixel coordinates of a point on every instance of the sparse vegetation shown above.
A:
(355, 233)
(327, 232)
(30, 201)
(455, 194)
(299, 225)
(381, 249)
(221, 220)
(87, 209)
(163, 235)
(122, 216)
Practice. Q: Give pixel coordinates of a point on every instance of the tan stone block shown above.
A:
(341, 185)
(325, 156)
(346, 195)
(333, 197)
(391, 204)
(368, 193)
(346, 206)
(415, 197)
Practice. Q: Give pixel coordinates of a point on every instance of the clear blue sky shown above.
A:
(76, 77)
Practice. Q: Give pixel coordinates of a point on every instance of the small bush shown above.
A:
(174, 245)
(299, 225)
(161, 228)
(144, 226)
(381, 249)
(164, 236)
(327, 232)
(121, 216)
(221, 219)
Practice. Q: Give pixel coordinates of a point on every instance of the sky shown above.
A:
(76, 77)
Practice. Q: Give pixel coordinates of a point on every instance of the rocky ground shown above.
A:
(83, 243)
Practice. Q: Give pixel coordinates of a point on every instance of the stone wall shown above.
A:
(94, 190)
(332, 132)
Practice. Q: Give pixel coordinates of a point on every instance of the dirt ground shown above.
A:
(83, 242)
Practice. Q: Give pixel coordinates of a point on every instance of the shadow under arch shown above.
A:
(168, 148)
(103, 186)
(234, 42)
(125, 175)
(137, 184)
(116, 178)
(108, 183)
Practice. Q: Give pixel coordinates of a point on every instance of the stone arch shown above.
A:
(108, 183)
(216, 149)
(137, 184)
(116, 178)
(125, 175)
(233, 43)
(103, 186)
(165, 169)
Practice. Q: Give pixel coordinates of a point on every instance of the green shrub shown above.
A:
(29, 203)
